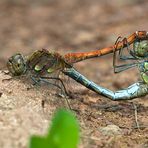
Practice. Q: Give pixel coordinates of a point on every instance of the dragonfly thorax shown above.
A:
(141, 48)
(44, 62)
(143, 67)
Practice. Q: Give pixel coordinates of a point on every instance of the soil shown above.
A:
(71, 26)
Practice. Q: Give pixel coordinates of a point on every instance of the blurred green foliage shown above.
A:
(63, 133)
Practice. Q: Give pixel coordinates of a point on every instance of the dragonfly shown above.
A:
(44, 62)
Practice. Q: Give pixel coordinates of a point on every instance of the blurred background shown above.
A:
(69, 25)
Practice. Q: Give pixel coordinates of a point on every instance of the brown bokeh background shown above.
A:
(81, 25)
(69, 25)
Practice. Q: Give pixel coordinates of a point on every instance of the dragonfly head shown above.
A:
(141, 48)
(16, 65)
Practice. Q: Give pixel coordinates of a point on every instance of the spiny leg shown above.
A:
(54, 78)
(120, 68)
(121, 56)
(38, 80)
(35, 80)
(124, 67)
(133, 91)
(43, 79)
(114, 53)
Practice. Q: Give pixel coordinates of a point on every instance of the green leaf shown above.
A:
(38, 142)
(64, 132)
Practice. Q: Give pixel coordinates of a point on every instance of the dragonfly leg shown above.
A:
(35, 81)
(123, 67)
(120, 68)
(125, 57)
(58, 79)
(45, 79)
(133, 91)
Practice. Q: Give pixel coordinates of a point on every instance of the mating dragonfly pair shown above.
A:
(43, 62)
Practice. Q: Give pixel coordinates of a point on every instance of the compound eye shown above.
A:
(16, 64)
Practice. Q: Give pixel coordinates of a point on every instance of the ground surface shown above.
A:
(71, 26)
